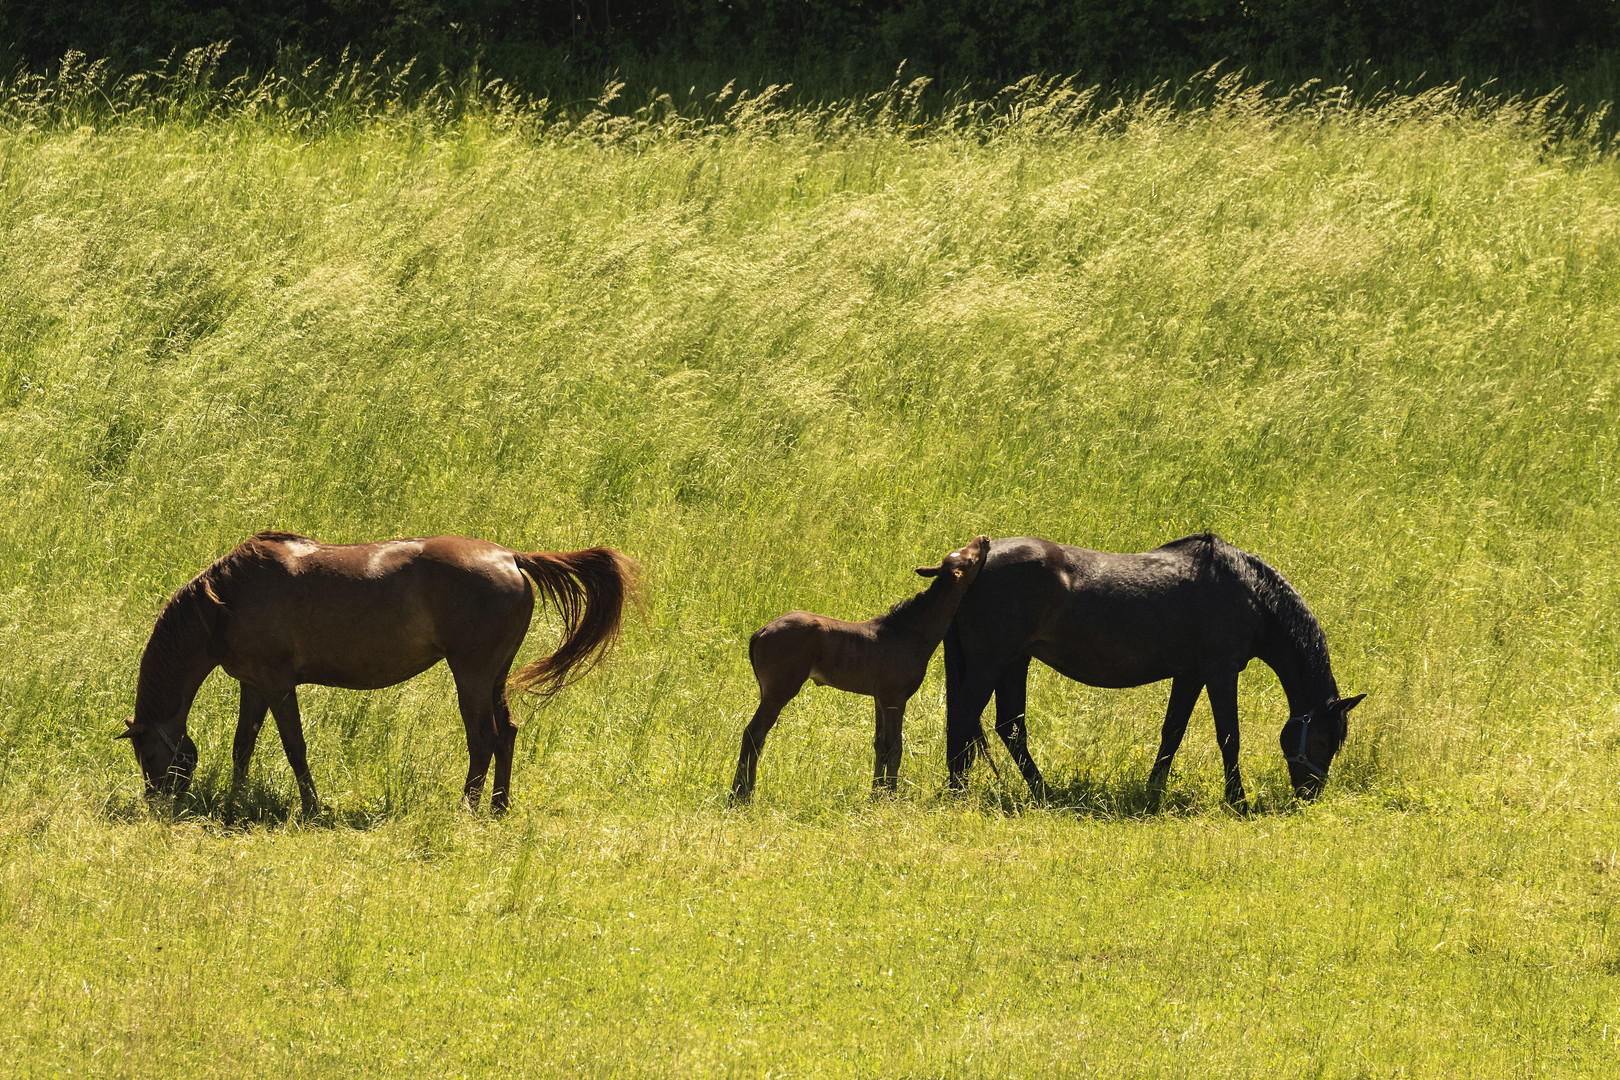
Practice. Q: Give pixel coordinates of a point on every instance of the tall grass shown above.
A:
(782, 355)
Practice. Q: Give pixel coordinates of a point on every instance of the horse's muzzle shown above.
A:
(1307, 786)
(176, 780)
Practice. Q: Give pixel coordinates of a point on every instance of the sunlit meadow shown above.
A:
(782, 355)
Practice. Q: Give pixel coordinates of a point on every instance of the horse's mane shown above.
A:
(192, 616)
(183, 627)
(1279, 599)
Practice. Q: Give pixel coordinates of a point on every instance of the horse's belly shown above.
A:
(1111, 669)
(352, 661)
(373, 675)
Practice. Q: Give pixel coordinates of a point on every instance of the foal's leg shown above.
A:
(505, 740)
(250, 712)
(886, 745)
(290, 726)
(1223, 702)
(1184, 691)
(1012, 691)
(772, 701)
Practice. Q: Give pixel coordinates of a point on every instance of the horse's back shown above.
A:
(370, 614)
(1105, 618)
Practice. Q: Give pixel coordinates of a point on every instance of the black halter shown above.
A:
(1298, 757)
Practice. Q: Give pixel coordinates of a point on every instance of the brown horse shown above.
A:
(884, 658)
(282, 609)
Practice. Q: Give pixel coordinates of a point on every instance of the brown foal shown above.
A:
(282, 609)
(884, 658)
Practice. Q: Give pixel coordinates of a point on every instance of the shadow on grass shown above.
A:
(258, 804)
(1115, 795)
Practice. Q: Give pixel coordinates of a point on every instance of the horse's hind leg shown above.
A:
(1184, 691)
(886, 746)
(1011, 724)
(500, 796)
(250, 712)
(290, 726)
(478, 715)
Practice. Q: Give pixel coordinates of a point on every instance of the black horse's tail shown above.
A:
(964, 734)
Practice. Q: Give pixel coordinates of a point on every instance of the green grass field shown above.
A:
(781, 356)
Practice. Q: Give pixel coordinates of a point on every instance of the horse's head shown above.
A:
(962, 565)
(166, 762)
(1310, 741)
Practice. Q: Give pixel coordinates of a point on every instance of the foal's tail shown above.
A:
(589, 588)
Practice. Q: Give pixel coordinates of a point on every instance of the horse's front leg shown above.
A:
(886, 746)
(290, 726)
(250, 712)
(1223, 702)
(1183, 696)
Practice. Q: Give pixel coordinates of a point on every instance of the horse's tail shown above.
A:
(964, 734)
(589, 589)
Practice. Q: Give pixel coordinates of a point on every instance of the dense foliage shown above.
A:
(954, 40)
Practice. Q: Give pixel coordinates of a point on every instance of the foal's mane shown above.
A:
(900, 608)
(904, 609)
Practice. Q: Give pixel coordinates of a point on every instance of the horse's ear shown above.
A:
(930, 571)
(1344, 705)
(129, 728)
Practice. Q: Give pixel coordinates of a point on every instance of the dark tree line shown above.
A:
(957, 41)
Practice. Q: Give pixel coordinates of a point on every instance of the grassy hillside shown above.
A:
(782, 357)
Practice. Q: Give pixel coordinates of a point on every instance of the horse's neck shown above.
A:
(1303, 669)
(177, 658)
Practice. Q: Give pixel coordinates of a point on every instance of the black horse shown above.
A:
(1194, 611)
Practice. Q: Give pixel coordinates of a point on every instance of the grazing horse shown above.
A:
(282, 609)
(884, 658)
(1194, 611)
